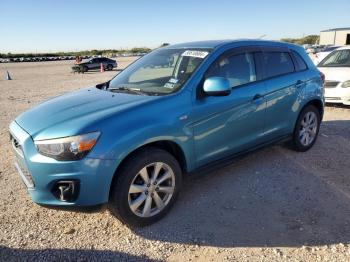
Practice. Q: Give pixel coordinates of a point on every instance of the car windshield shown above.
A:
(338, 58)
(161, 72)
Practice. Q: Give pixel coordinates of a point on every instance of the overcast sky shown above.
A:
(72, 25)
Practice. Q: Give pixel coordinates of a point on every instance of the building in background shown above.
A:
(336, 36)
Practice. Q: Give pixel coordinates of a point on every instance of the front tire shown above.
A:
(306, 129)
(146, 187)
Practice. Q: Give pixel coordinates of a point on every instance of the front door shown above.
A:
(95, 63)
(229, 124)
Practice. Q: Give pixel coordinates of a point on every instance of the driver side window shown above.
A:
(239, 69)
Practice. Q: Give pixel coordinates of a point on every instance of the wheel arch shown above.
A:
(167, 145)
(316, 103)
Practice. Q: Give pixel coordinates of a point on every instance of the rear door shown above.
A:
(229, 124)
(284, 86)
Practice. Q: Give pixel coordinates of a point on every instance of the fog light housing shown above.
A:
(66, 190)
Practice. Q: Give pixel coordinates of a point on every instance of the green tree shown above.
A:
(309, 39)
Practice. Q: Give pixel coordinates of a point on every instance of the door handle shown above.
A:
(299, 84)
(257, 96)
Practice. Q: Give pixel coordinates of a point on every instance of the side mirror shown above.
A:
(217, 86)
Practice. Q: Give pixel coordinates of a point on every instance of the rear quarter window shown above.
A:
(300, 63)
(277, 63)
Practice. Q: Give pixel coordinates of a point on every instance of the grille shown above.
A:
(331, 84)
(16, 143)
(20, 163)
(16, 146)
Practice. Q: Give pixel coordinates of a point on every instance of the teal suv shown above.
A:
(129, 142)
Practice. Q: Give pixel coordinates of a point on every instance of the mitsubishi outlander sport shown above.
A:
(129, 142)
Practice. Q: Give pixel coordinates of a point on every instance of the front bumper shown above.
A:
(337, 94)
(40, 174)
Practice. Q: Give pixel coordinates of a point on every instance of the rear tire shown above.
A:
(138, 196)
(306, 129)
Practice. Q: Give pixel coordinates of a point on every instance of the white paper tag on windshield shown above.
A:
(169, 85)
(173, 80)
(195, 53)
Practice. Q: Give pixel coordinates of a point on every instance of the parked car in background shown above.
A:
(131, 140)
(95, 63)
(306, 46)
(313, 49)
(336, 67)
(323, 53)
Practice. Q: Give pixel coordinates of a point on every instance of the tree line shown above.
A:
(309, 39)
(93, 52)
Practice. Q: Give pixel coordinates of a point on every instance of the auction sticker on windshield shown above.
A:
(171, 83)
(195, 53)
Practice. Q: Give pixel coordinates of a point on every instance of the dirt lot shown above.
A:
(274, 204)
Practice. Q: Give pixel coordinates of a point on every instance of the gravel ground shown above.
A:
(274, 204)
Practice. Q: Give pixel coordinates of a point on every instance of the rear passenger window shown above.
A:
(238, 69)
(301, 65)
(277, 63)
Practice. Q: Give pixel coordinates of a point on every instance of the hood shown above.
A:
(340, 74)
(70, 113)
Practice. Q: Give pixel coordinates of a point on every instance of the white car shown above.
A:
(336, 67)
(323, 53)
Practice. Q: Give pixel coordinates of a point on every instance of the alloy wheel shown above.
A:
(151, 189)
(308, 128)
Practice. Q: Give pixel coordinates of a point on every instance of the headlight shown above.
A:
(67, 148)
(346, 84)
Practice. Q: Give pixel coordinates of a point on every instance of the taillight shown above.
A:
(323, 77)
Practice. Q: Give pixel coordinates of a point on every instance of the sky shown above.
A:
(73, 25)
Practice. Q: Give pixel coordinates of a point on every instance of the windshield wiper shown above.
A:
(128, 89)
